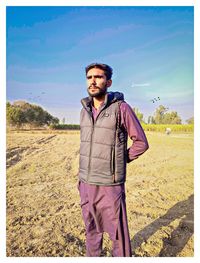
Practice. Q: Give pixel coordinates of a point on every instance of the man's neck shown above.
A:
(98, 101)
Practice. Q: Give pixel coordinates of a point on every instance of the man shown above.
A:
(106, 121)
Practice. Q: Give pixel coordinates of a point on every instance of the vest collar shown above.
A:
(110, 98)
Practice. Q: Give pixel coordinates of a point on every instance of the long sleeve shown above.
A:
(135, 131)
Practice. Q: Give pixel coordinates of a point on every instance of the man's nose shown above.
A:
(93, 80)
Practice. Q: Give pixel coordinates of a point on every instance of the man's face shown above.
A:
(97, 83)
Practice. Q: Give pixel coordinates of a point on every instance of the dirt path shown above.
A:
(43, 212)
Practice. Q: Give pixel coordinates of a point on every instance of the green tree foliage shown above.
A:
(151, 120)
(14, 115)
(159, 115)
(171, 118)
(190, 120)
(163, 117)
(21, 113)
(139, 115)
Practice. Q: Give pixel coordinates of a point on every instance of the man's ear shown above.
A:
(109, 83)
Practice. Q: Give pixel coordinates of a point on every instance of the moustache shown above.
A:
(92, 86)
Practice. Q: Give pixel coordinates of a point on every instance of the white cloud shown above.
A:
(135, 85)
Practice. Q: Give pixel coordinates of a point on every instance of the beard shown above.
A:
(98, 93)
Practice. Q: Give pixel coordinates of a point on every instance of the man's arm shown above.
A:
(135, 131)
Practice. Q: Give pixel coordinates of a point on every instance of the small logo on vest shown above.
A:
(106, 114)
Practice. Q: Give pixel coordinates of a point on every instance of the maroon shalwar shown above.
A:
(104, 207)
(104, 210)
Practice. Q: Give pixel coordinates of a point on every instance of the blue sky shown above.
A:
(149, 48)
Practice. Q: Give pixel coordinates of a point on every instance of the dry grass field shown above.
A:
(43, 212)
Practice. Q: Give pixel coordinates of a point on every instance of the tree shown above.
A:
(172, 118)
(163, 117)
(139, 114)
(190, 120)
(14, 115)
(151, 120)
(159, 115)
(21, 113)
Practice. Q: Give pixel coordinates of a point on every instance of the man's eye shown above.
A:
(89, 77)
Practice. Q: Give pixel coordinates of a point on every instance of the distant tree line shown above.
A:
(162, 116)
(190, 120)
(65, 126)
(22, 113)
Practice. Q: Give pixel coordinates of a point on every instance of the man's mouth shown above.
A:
(93, 88)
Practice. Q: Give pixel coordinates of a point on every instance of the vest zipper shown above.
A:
(113, 163)
(91, 142)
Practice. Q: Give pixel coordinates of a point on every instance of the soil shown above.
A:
(43, 206)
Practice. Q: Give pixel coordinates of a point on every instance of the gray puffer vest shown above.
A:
(103, 146)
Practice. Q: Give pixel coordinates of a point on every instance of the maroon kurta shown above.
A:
(104, 207)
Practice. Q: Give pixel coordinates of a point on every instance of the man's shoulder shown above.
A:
(124, 106)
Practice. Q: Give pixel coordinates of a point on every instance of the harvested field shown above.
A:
(43, 212)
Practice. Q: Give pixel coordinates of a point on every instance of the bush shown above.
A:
(64, 126)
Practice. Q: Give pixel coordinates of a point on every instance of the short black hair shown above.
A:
(107, 69)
